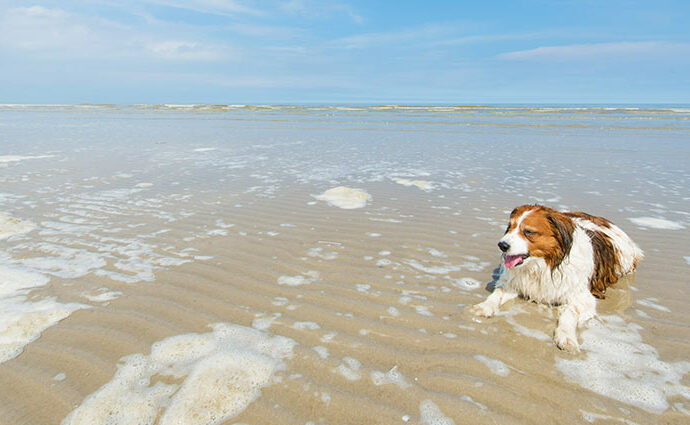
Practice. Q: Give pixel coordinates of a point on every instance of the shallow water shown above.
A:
(190, 263)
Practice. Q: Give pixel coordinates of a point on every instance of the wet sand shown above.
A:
(136, 228)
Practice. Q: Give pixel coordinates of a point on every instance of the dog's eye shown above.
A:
(528, 232)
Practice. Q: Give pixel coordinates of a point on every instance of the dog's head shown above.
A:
(535, 231)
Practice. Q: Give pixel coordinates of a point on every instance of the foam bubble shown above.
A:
(619, 365)
(430, 414)
(393, 311)
(656, 223)
(432, 269)
(349, 369)
(422, 184)
(224, 372)
(10, 226)
(312, 326)
(102, 295)
(495, 366)
(344, 197)
(393, 376)
(467, 283)
(311, 276)
(321, 351)
(263, 323)
(437, 253)
(320, 253)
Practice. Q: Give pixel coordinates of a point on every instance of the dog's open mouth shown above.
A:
(515, 260)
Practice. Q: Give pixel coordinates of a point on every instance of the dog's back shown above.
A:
(614, 253)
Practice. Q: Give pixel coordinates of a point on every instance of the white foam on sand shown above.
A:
(495, 366)
(430, 414)
(592, 417)
(345, 197)
(101, 295)
(321, 351)
(393, 376)
(10, 226)
(222, 372)
(445, 269)
(466, 283)
(349, 369)
(320, 253)
(656, 223)
(422, 184)
(652, 303)
(22, 321)
(311, 276)
(621, 366)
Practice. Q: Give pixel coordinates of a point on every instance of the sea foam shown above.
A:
(619, 365)
(11, 226)
(430, 414)
(656, 223)
(422, 184)
(223, 370)
(345, 197)
(22, 321)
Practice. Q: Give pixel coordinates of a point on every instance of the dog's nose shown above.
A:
(504, 246)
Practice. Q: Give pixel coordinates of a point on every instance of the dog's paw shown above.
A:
(483, 309)
(565, 341)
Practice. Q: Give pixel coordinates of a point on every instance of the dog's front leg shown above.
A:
(572, 315)
(493, 302)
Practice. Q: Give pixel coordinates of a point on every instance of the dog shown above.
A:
(564, 259)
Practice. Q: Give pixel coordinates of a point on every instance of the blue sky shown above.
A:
(332, 51)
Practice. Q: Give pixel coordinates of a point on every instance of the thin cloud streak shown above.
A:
(612, 50)
(213, 7)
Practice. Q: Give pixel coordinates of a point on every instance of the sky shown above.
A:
(345, 52)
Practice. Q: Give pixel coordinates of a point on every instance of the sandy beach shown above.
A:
(197, 264)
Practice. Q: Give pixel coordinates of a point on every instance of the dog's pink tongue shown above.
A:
(513, 260)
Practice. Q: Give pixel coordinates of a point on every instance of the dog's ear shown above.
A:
(563, 228)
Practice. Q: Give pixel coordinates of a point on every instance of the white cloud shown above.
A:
(614, 50)
(36, 28)
(485, 38)
(55, 33)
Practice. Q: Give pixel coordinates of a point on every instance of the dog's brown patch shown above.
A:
(517, 213)
(606, 264)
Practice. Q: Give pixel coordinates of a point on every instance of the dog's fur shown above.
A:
(563, 259)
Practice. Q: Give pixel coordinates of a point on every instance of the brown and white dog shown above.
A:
(564, 259)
